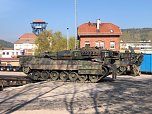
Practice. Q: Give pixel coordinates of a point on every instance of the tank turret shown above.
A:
(63, 55)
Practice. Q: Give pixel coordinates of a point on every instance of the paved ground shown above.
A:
(126, 95)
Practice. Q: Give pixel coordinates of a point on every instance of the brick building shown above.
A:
(104, 35)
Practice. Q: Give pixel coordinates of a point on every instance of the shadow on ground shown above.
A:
(123, 96)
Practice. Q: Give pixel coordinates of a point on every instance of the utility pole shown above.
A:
(75, 23)
(67, 38)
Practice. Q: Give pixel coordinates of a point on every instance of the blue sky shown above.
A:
(16, 15)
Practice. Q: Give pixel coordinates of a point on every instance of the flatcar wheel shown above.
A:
(83, 78)
(8, 69)
(36, 75)
(64, 76)
(73, 76)
(26, 70)
(54, 75)
(14, 69)
(44, 75)
(93, 78)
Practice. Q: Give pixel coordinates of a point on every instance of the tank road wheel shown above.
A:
(83, 78)
(26, 70)
(93, 78)
(136, 70)
(54, 75)
(64, 76)
(44, 75)
(36, 75)
(30, 75)
(104, 71)
(73, 76)
(121, 70)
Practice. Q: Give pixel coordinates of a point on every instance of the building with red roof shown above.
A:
(26, 43)
(104, 35)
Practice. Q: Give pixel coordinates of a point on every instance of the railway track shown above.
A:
(13, 80)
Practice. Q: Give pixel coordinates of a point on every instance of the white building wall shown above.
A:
(142, 46)
(10, 53)
(24, 46)
(0, 53)
(148, 51)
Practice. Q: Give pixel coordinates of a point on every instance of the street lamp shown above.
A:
(75, 5)
(67, 38)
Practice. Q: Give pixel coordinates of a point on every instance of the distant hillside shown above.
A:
(5, 44)
(136, 34)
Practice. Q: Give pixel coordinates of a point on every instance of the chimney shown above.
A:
(98, 24)
(89, 23)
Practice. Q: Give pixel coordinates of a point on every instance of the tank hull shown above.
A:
(84, 70)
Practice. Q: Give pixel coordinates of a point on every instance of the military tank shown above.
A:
(107, 57)
(123, 63)
(85, 64)
(129, 62)
(72, 65)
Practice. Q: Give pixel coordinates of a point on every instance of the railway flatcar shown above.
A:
(9, 64)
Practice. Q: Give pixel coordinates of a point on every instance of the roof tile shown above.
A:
(105, 29)
(26, 38)
(28, 35)
(37, 21)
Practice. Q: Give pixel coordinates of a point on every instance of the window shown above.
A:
(12, 53)
(112, 45)
(111, 30)
(3, 53)
(97, 44)
(16, 53)
(7, 53)
(102, 44)
(87, 44)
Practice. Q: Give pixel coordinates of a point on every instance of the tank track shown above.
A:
(64, 76)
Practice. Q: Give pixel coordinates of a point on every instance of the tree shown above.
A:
(1, 47)
(54, 42)
(72, 43)
(58, 42)
(43, 42)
